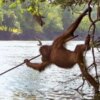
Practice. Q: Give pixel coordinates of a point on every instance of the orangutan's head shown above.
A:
(45, 50)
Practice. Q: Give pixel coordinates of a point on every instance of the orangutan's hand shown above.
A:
(26, 61)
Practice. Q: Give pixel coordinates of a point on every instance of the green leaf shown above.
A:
(12, 5)
(30, 9)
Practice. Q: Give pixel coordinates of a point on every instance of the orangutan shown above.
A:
(57, 54)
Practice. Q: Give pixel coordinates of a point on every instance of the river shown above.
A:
(24, 83)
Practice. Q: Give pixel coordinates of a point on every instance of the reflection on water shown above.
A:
(24, 83)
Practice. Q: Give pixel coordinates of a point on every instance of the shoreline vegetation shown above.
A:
(6, 35)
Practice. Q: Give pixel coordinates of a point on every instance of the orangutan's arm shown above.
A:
(37, 66)
(70, 31)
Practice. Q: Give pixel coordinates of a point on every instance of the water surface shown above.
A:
(24, 83)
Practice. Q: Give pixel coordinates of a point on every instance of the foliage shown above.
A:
(19, 14)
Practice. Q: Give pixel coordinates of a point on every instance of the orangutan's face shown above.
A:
(45, 51)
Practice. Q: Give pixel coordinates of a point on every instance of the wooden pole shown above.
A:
(17, 65)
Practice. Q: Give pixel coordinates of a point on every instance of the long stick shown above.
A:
(18, 65)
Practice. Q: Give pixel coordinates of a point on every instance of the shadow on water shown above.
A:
(97, 96)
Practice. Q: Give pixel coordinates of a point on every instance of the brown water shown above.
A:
(54, 83)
